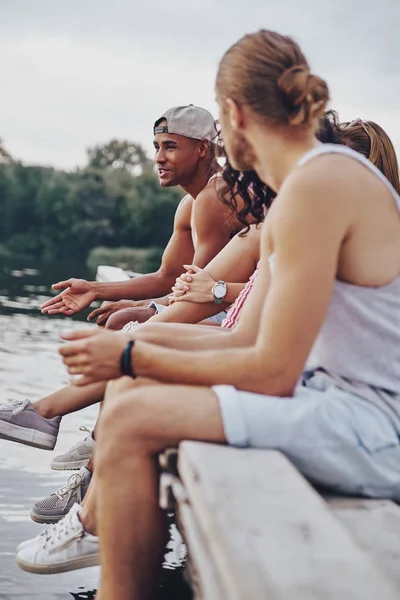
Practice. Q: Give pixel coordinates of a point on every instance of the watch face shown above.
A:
(219, 291)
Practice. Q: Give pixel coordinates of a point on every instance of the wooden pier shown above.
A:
(255, 529)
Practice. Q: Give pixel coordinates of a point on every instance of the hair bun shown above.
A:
(305, 95)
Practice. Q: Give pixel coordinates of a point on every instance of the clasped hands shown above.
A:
(195, 285)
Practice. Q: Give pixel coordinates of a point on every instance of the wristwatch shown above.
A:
(219, 291)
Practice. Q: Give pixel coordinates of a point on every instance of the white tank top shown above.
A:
(359, 340)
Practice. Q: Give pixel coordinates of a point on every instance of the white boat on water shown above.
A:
(106, 273)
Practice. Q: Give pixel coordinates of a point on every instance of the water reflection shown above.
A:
(84, 595)
(30, 368)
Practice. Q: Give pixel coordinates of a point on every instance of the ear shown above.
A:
(204, 148)
(234, 113)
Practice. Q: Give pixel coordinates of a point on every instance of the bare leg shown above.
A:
(119, 319)
(114, 388)
(90, 464)
(72, 398)
(69, 399)
(88, 512)
(133, 428)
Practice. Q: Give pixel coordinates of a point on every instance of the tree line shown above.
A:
(114, 201)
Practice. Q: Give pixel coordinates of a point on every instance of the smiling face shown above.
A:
(177, 158)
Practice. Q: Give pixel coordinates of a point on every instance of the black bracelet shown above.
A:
(126, 360)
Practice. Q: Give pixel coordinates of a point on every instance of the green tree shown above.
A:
(149, 212)
(5, 157)
(20, 223)
(119, 154)
(52, 214)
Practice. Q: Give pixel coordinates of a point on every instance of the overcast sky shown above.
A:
(79, 72)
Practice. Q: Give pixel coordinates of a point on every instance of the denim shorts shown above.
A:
(335, 438)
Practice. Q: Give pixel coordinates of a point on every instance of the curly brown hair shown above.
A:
(247, 196)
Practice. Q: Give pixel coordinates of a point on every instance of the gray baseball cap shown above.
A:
(190, 121)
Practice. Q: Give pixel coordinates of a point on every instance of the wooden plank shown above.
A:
(201, 570)
(375, 524)
(269, 533)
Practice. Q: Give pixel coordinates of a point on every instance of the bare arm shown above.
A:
(305, 230)
(213, 224)
(78, 294)
(96, 354)
(196, 285)
(235, 263)
(159, 283)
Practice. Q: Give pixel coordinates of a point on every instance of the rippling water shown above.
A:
(30, 368)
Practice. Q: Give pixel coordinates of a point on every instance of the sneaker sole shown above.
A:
(47, 519)
(69, 466)
(28, 437)
(92, 560)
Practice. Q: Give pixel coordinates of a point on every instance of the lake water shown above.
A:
(30, 368)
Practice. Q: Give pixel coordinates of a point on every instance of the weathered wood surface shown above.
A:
(269, 534)
(201, 571)
(375, 524)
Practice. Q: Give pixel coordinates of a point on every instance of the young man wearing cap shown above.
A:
(185, 156)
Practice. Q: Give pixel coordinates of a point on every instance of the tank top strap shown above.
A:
(339, 149)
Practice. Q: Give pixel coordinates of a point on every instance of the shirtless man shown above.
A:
(185, 156)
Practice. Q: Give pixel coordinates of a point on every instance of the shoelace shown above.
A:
(86, 430)
(16, 407)
(73, 482)
(59, 530)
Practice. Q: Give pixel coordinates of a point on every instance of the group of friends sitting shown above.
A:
(273, 321)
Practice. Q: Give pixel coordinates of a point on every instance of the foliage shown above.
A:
(115, 201)
(119, 154)
(5, 157)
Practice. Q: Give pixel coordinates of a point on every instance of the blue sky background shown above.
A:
(75, 73)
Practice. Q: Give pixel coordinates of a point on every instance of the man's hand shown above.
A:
(77, 295)
(102, 314)
(95, 355)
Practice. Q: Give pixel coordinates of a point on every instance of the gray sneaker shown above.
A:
(76, 457)
(19, 422)
(57, 505)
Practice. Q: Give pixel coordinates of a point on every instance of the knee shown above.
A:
(116, 387)
(119, 319)
(125, 424)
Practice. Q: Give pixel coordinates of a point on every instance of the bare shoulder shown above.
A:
(339, 176)
(183, 212)
(210, 200)
(317, 201)
(331, 184)
(254, 232)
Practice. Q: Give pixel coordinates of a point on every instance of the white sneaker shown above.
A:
(65, 546)
(36, 539)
